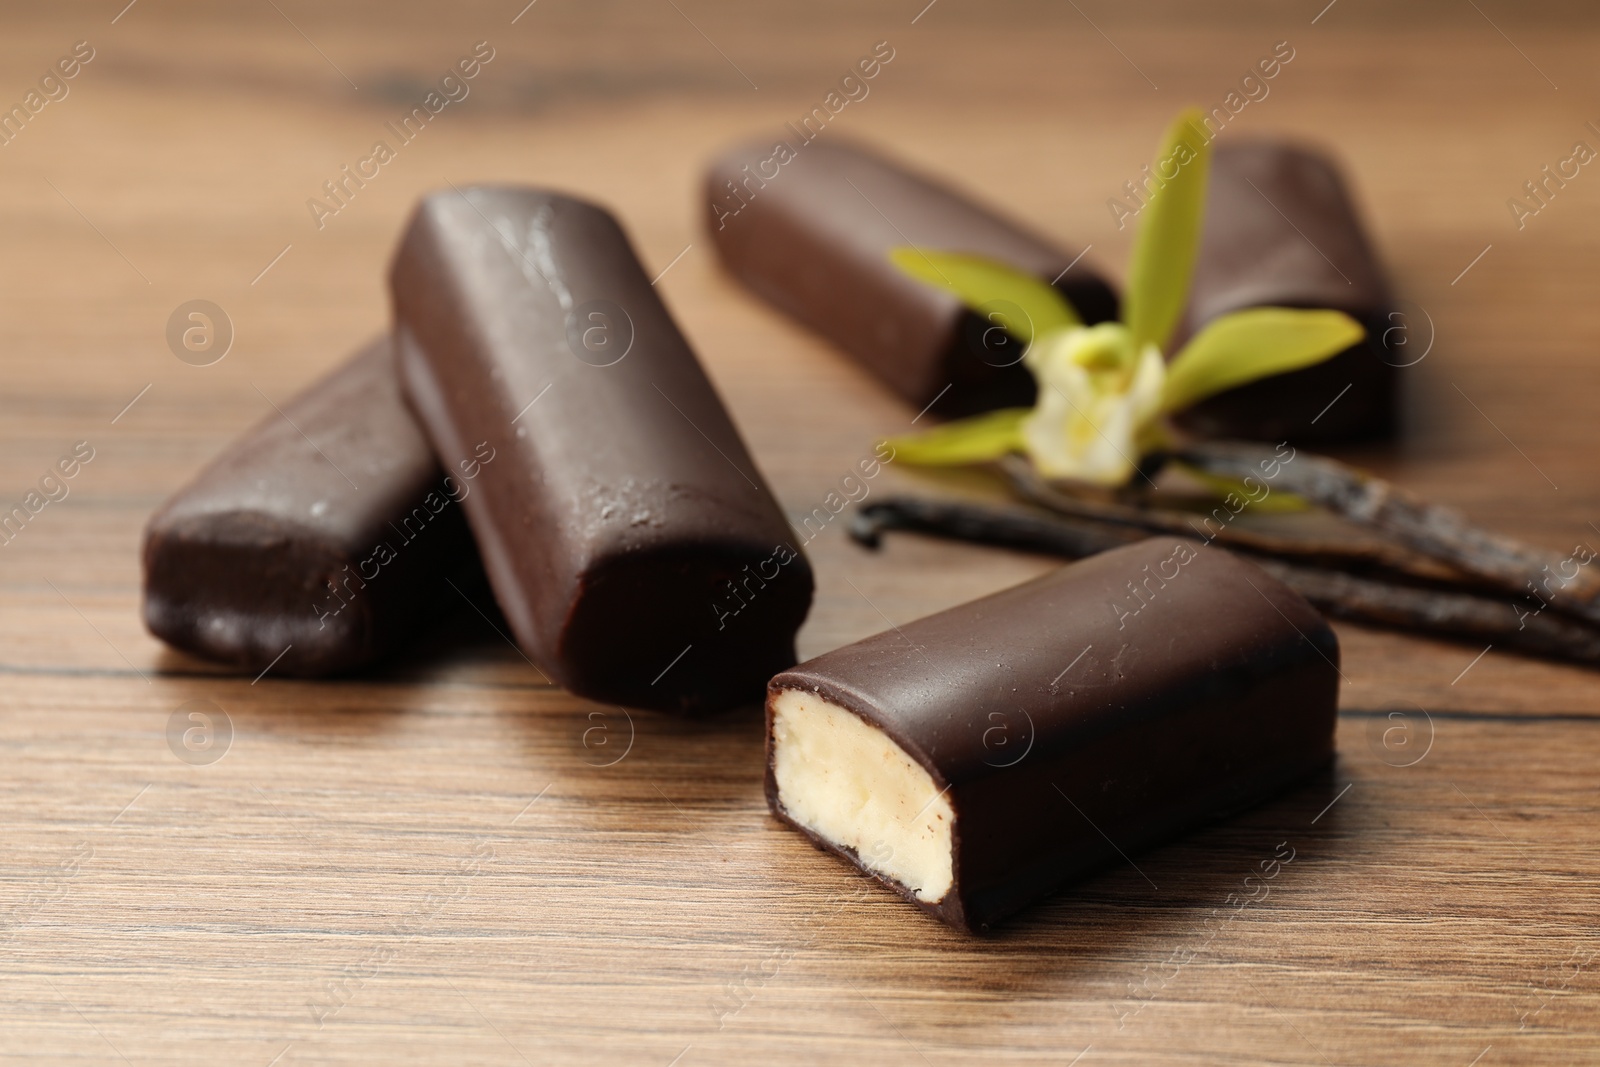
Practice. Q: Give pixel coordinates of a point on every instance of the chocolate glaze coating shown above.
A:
(814, 240)
(628, 536)
(238, 564)
(1281, 230)
(1220, 690)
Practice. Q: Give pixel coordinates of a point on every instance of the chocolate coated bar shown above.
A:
(318, 541)
(979, 759)
(629, 539)
(1281, 231)
(809, 227)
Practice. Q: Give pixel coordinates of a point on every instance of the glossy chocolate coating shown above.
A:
(270, 547)
(628, 536)
(1281, 230)
(814, 240)
(1220, 690)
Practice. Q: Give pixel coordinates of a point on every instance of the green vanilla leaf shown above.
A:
(1246, 345)
(1169, 233)
(975, 440)
(987, 286)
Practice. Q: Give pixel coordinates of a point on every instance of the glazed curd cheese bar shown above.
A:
(628, 536)
(320, 541)
(978, 760)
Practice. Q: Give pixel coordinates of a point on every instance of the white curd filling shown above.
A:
(850, 784)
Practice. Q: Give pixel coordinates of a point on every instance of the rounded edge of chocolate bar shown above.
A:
(688, 667)
(429, 203)
(270, 574)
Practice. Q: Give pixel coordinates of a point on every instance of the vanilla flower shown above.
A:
(1105, 390)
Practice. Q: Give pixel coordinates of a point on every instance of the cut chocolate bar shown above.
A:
(630, 540)
(319, 541)
(979, 759)
(809, 227)
(1281, 231)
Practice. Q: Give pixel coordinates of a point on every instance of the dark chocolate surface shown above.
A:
(628, 536)
(1058, 715)
(276, 544)
(1281, 230)
(814, 238)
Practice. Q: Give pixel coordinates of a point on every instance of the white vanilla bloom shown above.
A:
(1097, 399)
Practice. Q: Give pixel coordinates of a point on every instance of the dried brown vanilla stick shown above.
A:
(1441, 533)
(1028, 484)
(1346, 596)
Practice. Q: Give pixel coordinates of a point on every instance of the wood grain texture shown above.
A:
(442, 864)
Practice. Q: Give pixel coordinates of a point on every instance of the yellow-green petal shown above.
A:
(1168, 240)
(975, 440)
(982, 283)
(1246, 345)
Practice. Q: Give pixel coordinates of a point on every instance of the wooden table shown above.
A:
(443, 864)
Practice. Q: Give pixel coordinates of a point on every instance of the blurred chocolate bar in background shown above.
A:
(1281, 230)
(809, 226)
